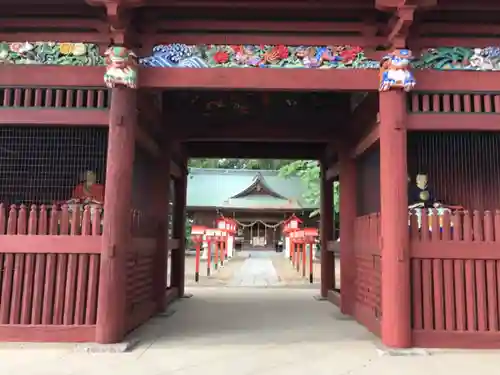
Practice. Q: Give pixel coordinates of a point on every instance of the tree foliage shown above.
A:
(264, 164)
(309, 173)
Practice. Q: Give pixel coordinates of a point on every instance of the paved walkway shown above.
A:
(245, 331)
(257, 270)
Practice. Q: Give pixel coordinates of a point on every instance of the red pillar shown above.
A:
(347, 180)
(116, 229)
(326, 233)
(396, 329)
(179, 232)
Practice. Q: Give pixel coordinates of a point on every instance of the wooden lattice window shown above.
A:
(64, 98)
(435, 102)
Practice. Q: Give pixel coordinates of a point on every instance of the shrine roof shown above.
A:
(238, 189)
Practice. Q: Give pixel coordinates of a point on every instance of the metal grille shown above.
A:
(463, 167)
(43, 165)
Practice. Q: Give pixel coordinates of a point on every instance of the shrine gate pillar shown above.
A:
(116, 235)
(395, 263)
(326, 233)
(348, 208)
(179, 230)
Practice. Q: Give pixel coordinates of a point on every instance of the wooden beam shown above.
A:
(175, 170)
(173, 25)
(458, 121)
(249, 79)
(53, 117)
(271, 4)
(262, 150)
(366, 141)
(147, 142)
(254, 38)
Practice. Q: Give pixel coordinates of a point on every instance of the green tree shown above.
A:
(309, 173)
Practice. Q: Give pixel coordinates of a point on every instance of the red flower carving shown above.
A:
(349, 55)
(221, 57)
(236, 48)
(282, 51)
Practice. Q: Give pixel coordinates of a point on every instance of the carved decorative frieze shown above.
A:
(50, 53)
(258, 56)
(121, 67)
(395, 71)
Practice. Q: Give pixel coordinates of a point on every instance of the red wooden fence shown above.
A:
(455, 273)
(367, 309)
(49, 272)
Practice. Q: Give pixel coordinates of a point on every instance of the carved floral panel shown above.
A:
(248, 56)
(50, 53)
(258, 56)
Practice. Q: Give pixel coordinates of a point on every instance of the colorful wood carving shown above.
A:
(121, 67)
(395, 72)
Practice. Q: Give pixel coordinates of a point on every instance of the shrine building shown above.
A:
(102, 103)
(259, 201)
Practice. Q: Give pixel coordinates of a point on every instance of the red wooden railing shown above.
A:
(455, 273)
(49, 271)
(367, 308)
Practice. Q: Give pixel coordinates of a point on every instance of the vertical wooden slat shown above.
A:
(17, 286)
(470, 282)
(101, 99)
(7, 97)
(62, 268)
(38, 284)
(38, 97)
(491, 285)
(83, 265)
(29, 272)
(417, 297)
(90, 98)
(436, 103)
(50, 272)
(8, 270)
(467, 103)
(427, 290)
(415, 103)
(496, 103)
(480, 274)
(457, 103)
(28, 95)
(437, 276)
(93, 279)
(18, 95)
(487, 103)
(71, 276)
(426, 103)
(59, 98)
(49, 97)
(69, 98)
(449, 290)
(79, 98)
(446, 103)
(477, 107)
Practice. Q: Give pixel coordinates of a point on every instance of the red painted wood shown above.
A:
(470, 122)
(47, 333)
(348, 208)
(396, 290)
(116, 234)
(463, 339)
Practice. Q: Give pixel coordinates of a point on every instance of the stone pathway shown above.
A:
(256, 271)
